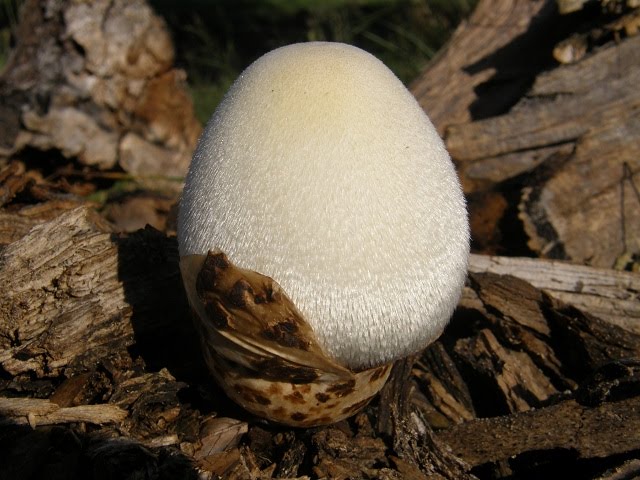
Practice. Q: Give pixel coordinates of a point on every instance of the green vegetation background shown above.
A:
(216, 39)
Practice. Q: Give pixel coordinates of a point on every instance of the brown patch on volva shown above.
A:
(217, 261)
(342, 389)
(217, 314)
(274, 388)
(286, 333)
(252, 395)
(241, 294)
(379, 373)
(322, 397)
(262, 400)
(213, 264)
(264, 297)
(279, 411)
(276, 369)
(295, 397)
(298, 416)
(304, 388)
(356, 406)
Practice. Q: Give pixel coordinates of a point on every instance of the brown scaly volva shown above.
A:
(264, 354)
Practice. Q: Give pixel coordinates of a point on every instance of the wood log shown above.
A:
(590, 432)
(524, 130)
(72, 293)
(487, 64)
(581, 138)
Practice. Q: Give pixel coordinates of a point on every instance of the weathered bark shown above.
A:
(608, 294)
(568, 426)
(488, 64)
(580, 133)
(558, 141)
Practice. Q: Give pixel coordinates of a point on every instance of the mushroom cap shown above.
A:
(320, 170)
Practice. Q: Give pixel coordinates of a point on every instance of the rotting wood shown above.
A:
(579, 134)
(446, 396)
(417, 449)
(569, 6)
(569, 426)
(74, 292)
(62, 295)
(577, 104)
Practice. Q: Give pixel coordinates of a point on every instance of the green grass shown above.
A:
(206, 96)
(217, 39)
(8, 23)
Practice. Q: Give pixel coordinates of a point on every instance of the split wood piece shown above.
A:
(234, 464)
(612, 295)
(418, 453)
(608, 429)
(518, 348)
(447, 398)
(628, 470)
(219, 435)
(12, 181)
(16, 223)
(522, 384)
(535, 322)
(342, 456)
(565, 140)
(573, 131)
(154, 407)
(134, 211)
(73, 292)
(578, 45)
(597, 93)
(61, 294)
(14, 226)
(34, 412)
(17, 220)
(488, 64)
(293, 457)
(588, 210)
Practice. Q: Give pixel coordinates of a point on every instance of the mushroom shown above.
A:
(323, 233)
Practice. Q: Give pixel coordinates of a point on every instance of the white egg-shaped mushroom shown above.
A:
(320, 170)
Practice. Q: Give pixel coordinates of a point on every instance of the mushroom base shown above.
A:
(297, 404)
(264, 354)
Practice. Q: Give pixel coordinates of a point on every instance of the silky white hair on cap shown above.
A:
(320, 170)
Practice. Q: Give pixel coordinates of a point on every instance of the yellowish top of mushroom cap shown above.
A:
(320, 170)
